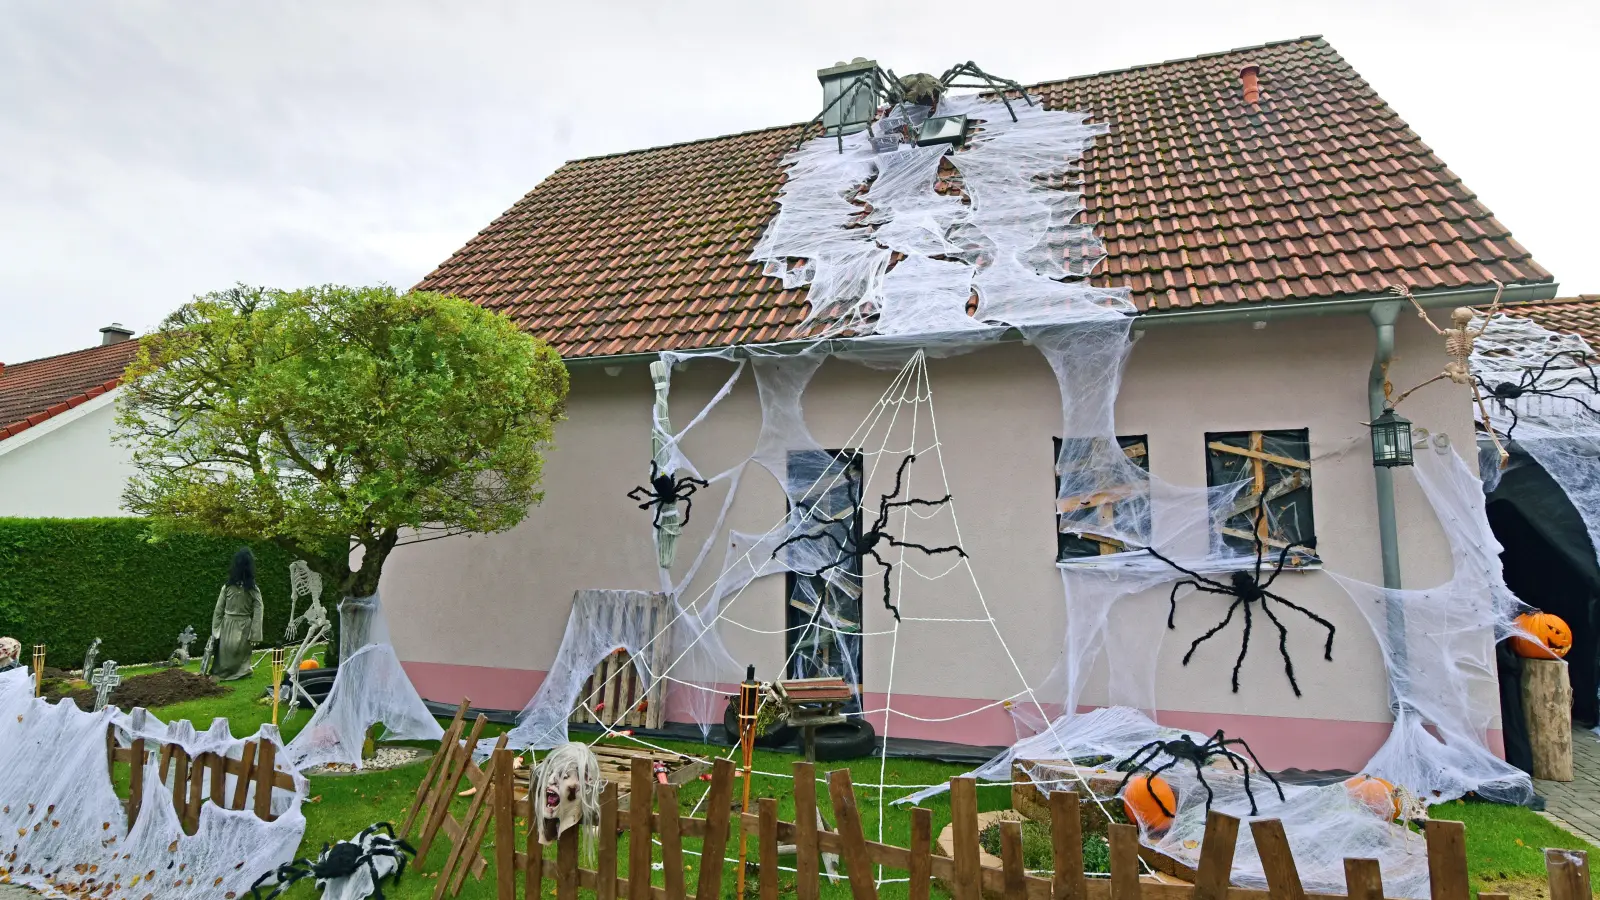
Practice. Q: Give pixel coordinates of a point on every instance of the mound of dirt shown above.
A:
(157, 689)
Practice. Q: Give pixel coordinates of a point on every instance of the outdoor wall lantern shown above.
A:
(1391, 440)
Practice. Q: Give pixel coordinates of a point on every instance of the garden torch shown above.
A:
(749, 701)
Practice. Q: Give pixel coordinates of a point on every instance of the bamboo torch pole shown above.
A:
(38, 669)
(749, 691)
(277, 680)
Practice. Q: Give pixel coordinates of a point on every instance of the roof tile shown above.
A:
(32, 392)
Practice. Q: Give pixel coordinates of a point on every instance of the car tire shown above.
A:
(777, 737)
(316, 683)
(851, 739)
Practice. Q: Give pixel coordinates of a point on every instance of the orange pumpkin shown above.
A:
(1142, 808)
(1554, 637)
(1375, 794)
(308, 664)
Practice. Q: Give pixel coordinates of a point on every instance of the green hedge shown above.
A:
(65, 582)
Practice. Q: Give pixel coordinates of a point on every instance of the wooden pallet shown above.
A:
(614, 695)
(616, 767)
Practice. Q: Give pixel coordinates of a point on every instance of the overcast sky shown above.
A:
(150, 151)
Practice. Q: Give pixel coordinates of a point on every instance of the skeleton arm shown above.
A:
(1403, 291)
(1499, 289)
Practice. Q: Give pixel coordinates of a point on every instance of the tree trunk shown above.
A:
(1547, 700)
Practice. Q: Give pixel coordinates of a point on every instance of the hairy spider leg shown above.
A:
(1237, 602)
(1200, 776)
(1195, 575)
(888, 567)
(1244, 647)
(688, 504)
(1263, 769)
(1283, 648)
(1283, 559)
(896, 542)
(1327, 649)
(1172, 598)
(1230, 756)
(1149, 751)
(1213, 746)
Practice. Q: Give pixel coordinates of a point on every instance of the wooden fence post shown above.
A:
(714, 848)
(1011, 861)
(1066, 838)
(136, 782)
(671, 840)
(847, 822)
(1216, 856)
(964, 833)
(605, 887)
(567, 865)
(505, 826)
(1363, 880)
(533, 857)
(807, 874)
(921, 853)
(266, 774)
(1568, 871)
(639, 845)
(435, 767)
(1277, 861)
(241, 782)
(768, 851)
(1447, 859)
(1124, 841)
(179, 785)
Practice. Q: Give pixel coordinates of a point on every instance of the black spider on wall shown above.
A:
(1184, 749)
(867, 543)
(1530, 384)
(664, 490)
(1248, 590)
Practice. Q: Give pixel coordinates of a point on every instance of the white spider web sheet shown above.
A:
(370, 687)
(64, 824)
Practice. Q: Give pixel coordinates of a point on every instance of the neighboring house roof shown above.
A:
(1318, 191)
(34, 391)
(1578, 315)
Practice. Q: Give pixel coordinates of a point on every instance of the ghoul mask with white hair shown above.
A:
(566, 790)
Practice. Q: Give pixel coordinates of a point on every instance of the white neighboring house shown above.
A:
(57, 415)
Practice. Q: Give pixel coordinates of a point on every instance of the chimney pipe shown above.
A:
(114, 333)
(1252, 87)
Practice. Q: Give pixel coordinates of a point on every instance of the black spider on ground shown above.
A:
(1247, 589)
(1184, 749)
(867, 543)
(342, 860)
(664, 489)
(1528, 384)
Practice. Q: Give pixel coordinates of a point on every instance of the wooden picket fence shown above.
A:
(193, 781)
(966, 878)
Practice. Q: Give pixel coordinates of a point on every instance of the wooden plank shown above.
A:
(921, 868)
(241, 778)
(219, 780)
(1066, 839)
(567, 865)
(671, 840)
(1011, 860)
(438, 808)
(1216, 856)
(136, 782)
(1363, 880)
(1255, 453)
(505, 826)
(179, 783)
(197, 785)
(1277, 861)
(1447, 859)
(714, 849)
(847, 824)
(606, 849)
(266, 759)
(964, 831)
(807, 878)
(639, 844)
(111, 746)
(472, 860)
(533, 856)
(1568, 873)
(1124, 841)
(768, 807)
(435, 770)
(456, 863)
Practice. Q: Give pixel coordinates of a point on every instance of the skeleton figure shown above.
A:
(566, 788)
(1458, 342)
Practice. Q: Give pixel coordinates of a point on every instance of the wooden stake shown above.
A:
(847, 822)
(1447, 859)
(1066, 837)
(964, 832)
(38, 670)
(921, 854)
(1277, 862)
(277, 680)
(504, 806)
(1363, 880)
(1568, 871)
(1011, 861)
(1124, 841)
(1216, 856)
(639, 844)
(714, 849)
(768, 848)
(671, 839)
(806, 875)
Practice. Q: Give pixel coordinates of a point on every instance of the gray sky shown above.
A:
(150, 151)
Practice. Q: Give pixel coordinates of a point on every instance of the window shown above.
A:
(1119, 507)
(826, 641)
(1277, 468)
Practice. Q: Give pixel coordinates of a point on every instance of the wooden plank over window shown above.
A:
(1276, 466)
(1075, 544)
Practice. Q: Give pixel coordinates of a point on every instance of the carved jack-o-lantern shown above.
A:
(1554, 637)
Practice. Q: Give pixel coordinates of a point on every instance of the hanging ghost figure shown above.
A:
(566, 789)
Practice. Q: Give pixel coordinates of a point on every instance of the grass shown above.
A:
(1504, 844)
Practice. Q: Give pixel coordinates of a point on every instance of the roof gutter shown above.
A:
(1209, 315)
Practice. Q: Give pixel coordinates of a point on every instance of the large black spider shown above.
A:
(343, 860)
(1247, 589)
(1184, 749)
(664, 489)
(867, 543)
(920, 89)
(1528, 384)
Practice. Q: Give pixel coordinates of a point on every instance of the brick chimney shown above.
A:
(114, 333)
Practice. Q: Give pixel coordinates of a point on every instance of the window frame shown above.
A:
(1075, 546)
(1267, 467)
(795, 619)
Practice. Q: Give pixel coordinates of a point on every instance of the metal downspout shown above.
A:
(1383, 316)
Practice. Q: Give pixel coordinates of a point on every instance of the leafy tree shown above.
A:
(337, 418)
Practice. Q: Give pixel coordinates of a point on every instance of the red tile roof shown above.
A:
(1319, 191)
(1578, 315)
(33, 391)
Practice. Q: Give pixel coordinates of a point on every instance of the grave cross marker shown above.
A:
(185, 639)
(105, 680)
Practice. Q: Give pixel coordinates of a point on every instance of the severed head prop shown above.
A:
(566, 790)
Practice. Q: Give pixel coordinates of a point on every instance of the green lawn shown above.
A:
(1504, 844)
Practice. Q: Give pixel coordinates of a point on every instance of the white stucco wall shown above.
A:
(67, 466)
(500, 602)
